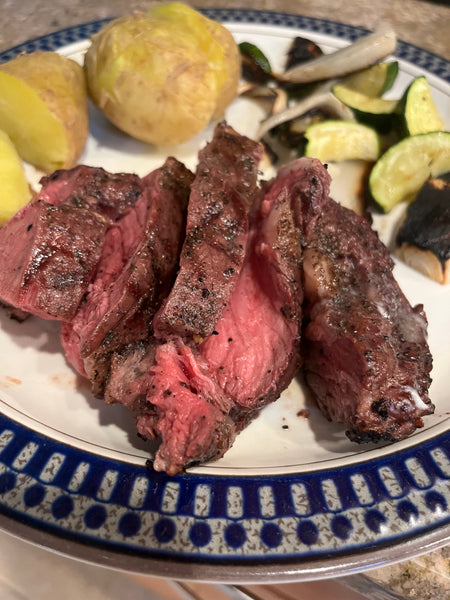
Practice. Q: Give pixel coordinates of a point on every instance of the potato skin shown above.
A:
(228, 91)
(60, 84)
(161, 76)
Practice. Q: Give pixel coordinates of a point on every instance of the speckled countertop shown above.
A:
(425, 24)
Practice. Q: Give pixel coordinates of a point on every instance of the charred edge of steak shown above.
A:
(366, 437)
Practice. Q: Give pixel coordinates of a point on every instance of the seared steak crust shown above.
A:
(50, 249)
(195, 335)
(216, 235)
(110, 194)
(366, 354)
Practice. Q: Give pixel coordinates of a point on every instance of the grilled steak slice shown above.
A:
(216, 235)
(111, 194)
(134, 274)
(366, 356)
(50, 249)
(264, 312)
(48, 255)
(202, 395)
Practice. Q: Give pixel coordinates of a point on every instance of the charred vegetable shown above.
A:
(300, 51)
(255, 64)
(325, 102)
(423, 240)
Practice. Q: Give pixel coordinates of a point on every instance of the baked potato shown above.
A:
(161, 76)
(43, 108)
(13, 184)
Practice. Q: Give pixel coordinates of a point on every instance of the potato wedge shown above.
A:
(43, 108)
(15, 191)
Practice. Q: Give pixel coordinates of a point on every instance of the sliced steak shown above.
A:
(366, 356)
(200, 396)
(216, 235)
(264, 312)
(48, 255)
(136, 270)
(50, 249)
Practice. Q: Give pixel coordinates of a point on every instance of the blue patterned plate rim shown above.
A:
(225, 528)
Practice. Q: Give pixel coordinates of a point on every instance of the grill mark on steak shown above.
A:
(48, 255)
(134, 274)
(366, 354)
(216, 235)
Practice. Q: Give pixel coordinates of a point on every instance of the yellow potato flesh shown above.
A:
(159, 76)
(15, 191)
(39, 137)
(43, 108)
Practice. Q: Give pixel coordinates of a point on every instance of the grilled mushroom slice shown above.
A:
(364, 52)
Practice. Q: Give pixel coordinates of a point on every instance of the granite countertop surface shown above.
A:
(425, 24)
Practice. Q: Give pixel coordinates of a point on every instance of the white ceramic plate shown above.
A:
(293, 499)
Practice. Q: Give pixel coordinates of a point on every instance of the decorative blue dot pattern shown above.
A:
(129, 524)
(342, 527)
(34, 495)
(235, 535)
(62, 507)
(407, 511)
(271, 535)
(7, 482)
(436, 502)
(200, 534)
(376, 502)
(374, 520)
(165, 530)
(95, 516)
(307, 533)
